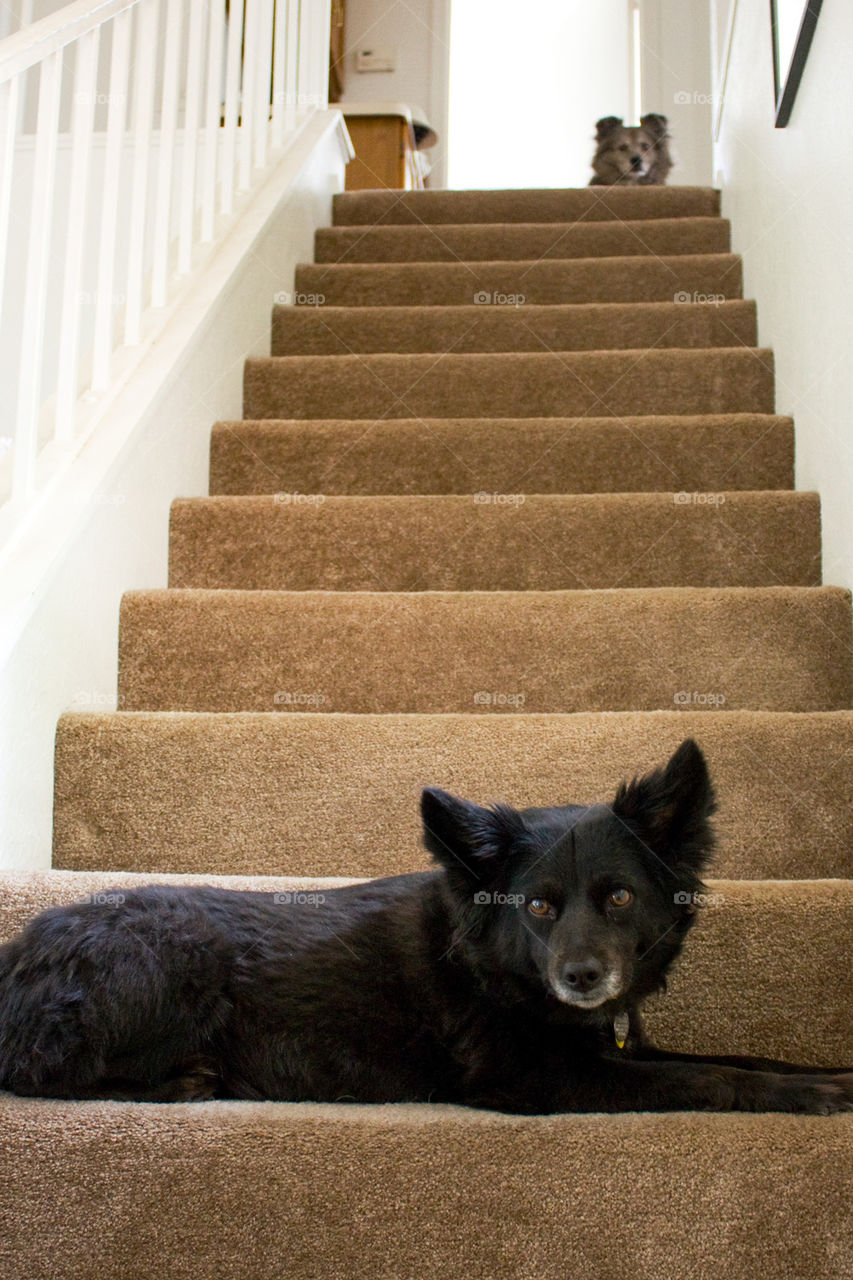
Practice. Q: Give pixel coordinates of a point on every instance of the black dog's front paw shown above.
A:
(811, 1095)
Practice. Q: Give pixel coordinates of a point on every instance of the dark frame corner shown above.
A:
(786, 92)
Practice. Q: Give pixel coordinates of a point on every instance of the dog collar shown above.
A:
(621, 1027)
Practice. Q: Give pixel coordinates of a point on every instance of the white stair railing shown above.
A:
(131, 134)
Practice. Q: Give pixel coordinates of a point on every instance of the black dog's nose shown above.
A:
(582, 975)
(636, 161)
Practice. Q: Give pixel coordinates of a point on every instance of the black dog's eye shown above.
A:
(540, 907)
(620, 897)
(644, 146)
(624, 147)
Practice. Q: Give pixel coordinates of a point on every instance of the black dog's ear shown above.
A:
(670, 809)
(464, 837)
(654, 124)
(606, 125)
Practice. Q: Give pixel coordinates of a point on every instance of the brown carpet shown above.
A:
(768, 648)
(330, 794)
(508, 241)
(687, 279)
(596, 204)
(257, 1191)
(511, 384)
(704, 453)
(496, 542)
(317, 330)
(642, 570)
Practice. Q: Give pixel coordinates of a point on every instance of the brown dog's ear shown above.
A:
(606, 125)
(654, 124)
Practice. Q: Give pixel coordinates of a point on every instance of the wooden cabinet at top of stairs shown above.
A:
(385, 154)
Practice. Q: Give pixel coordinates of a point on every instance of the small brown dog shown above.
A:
(636, 156)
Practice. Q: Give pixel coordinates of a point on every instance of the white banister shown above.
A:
(116, 190)
(166, 158)
(35, 290)
(212, 114)
(143, 111)
(278, 70)
(263, 58)
(232, 103)
(291, 81)
(192, 110)
(33, 44)
(8, 125)
(248, 103)
(116, 117)
(82, 124)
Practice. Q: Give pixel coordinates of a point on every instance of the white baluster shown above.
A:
(278, 72)
(321, 63)
(82, 125)
(262, 99)
(116, 119)
(166, 158)
(9, 93)
(291, 72)
(302, 85)
(248, 97)
(35, 290)
(190, 146)
(143, 120)
(213, 111)
(233, 75)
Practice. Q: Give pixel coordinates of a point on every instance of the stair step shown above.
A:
(208, 1182)
(324, 330)
(770, 648)
(782, 933)
(682, 278)
(338, 794)
(539, 455)
(486, 242)
(360, 208)
(495, 541)
(546, 384)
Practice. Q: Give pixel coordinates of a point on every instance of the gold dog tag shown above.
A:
(621, 1027)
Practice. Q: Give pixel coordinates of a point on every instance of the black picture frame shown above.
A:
(785, 90)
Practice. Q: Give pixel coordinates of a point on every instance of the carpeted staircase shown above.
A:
(510, 512)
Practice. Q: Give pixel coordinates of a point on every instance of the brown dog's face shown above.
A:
(631, 154)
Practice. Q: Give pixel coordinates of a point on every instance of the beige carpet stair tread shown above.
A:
(472, 242)
(495, 541)
(335, 794)
(781, 932)
(543, 205)
(686, 278)
(508, 385)
(326, 330)
(765, 648)
(237, 1191)
(695, 453)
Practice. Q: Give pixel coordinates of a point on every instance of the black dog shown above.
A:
(510, 978)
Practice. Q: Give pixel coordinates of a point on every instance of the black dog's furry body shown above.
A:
(495, 981)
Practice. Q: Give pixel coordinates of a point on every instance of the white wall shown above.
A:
(789, 193)
(66, 654)
(419, 32)
(676, 81)
(525, 96)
